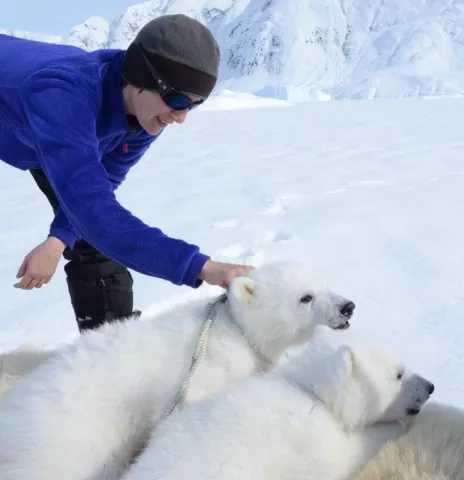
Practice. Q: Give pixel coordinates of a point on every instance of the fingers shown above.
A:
(233, 272)
(24, 283)
(47, 279)
(30, 281)
(22, 269)
(43, 281)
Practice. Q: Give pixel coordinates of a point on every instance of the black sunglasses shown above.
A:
(171, 97)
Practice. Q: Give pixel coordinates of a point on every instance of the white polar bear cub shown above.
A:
(86, 413)
(316, 418)
(433, 449)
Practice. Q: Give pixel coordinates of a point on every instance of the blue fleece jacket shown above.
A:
(61, 110)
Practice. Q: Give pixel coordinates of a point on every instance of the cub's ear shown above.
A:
(242, 289)
(344, 361)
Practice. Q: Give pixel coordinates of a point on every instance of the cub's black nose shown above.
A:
(430, 388)
(412, 411)
(347, 309)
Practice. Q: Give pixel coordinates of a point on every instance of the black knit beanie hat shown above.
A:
(180, 48)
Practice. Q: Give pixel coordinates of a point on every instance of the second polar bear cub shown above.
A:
(321, 416)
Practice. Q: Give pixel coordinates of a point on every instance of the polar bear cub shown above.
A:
(433, 449)
(86, 413)
(321, 416)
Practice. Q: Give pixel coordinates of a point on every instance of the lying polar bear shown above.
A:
(433, 449)
(85, 413)
(319, 417)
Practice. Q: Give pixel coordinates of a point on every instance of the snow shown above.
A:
(369, 193)
(229, 100)
(90, 35)
(310, 50)
(41, 37)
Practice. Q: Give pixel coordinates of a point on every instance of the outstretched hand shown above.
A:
(222, 274)
(40, 264)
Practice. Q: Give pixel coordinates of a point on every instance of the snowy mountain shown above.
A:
(314, 49)
(32, 36)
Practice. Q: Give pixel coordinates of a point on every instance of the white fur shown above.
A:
(19, 362)
(321, 416)
(88, 411)
(433, 449)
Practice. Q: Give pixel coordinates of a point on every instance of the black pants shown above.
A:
(100, 288)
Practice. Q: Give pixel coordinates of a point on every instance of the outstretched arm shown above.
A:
(63, 114)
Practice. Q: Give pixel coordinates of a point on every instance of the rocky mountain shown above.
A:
(313, 49)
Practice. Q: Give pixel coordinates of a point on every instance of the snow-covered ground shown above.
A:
(370, 193)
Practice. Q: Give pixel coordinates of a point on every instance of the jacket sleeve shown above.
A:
(67, 149)
(61, 228)
(117, 165)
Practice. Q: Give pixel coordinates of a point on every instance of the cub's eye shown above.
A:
(306, 299)
(400, 375)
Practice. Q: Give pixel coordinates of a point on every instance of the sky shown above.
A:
(59, 16)
(367, 193)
